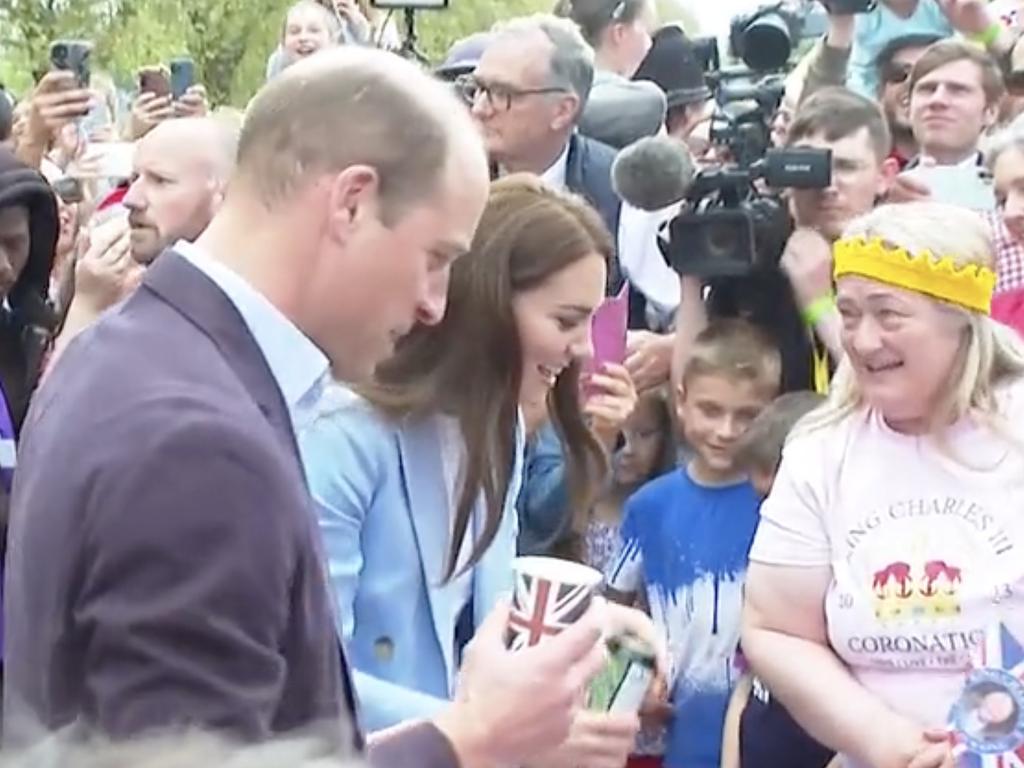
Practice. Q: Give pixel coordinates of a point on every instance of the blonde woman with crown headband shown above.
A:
(893, 539)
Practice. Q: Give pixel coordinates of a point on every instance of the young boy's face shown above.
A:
(714, 412)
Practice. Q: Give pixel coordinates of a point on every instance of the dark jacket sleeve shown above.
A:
(184, 598)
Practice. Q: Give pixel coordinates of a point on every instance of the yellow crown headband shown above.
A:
(969, 286)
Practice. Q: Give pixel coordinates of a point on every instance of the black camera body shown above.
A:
(729, 227)
(742, 119)
(73, 55)
(848, 7)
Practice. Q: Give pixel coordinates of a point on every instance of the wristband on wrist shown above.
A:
(817, 309)
(987, 36)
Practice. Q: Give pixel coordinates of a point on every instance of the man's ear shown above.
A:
(567, 112)
(991, 115)
(889, 170)
(352, 195)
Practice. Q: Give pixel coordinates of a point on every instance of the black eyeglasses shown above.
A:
(894, 74)
(619, 11)
(499, 97)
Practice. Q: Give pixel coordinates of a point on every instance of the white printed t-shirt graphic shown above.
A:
(926, 551)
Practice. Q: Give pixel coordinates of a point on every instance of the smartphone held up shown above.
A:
(73, 56)
(173, 79)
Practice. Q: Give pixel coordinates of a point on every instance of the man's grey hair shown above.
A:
(572, 61)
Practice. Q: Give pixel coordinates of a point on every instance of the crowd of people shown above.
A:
(287, 390)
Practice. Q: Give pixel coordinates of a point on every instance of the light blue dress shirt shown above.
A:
(298, 366)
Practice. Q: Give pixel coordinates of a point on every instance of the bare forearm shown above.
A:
(30, 153)
(691, 319)
(818, 690)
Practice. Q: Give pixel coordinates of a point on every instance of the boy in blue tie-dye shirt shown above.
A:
(686, 534)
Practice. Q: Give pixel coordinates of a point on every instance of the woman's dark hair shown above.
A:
(470, 364)
(593, 17)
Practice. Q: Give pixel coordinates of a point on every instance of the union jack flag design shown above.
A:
(1000, 666)
(542, 608)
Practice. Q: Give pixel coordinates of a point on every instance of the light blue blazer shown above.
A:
(385, 517)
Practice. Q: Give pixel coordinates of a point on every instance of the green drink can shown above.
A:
(623, 683)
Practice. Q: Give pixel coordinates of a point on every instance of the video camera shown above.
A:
(728, 227)
(733, 220)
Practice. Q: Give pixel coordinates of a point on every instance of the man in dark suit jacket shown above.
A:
(529, 91)
(164, 564)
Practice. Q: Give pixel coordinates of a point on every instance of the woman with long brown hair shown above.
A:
(416, 477)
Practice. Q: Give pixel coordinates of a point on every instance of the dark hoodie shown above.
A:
(26, 318)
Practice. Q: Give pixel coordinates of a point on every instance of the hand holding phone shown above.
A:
(148, 110)
(56, 101)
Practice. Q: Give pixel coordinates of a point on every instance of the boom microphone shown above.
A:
(653, 173)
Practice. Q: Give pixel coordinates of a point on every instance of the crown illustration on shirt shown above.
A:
(904, 592)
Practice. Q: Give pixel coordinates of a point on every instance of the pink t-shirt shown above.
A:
(926, 551)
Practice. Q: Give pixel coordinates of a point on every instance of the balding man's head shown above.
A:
(180, 170)
(347, 107)
(377, 176)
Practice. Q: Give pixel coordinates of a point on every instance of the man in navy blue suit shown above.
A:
(164, 566)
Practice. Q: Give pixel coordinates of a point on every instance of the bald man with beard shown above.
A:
(180, 170)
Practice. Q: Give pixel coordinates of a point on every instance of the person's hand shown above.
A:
(57, 101)
(86, 164)
(902, 744)
(624, 620)
(807, 262)
(648, 358)
(907, 189)
(148, 110)
(968, 17)
(610, 401)
(596, 740)
(511, 707)
(656, 710)
(193, 103)
(106, 271)
(841, 27)
(935, 750)
(354, 17)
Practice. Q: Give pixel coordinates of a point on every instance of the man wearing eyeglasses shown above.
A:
(527, 94)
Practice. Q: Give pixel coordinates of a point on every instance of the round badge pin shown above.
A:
(989, 714)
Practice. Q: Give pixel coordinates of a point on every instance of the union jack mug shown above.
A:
(549, 595)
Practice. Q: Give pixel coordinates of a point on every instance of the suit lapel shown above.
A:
(194, 295)
(430, 512)
(492, 578)
(176, 281)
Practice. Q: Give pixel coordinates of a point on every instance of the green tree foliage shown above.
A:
(229, 39)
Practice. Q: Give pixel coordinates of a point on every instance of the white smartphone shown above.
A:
(966, 186)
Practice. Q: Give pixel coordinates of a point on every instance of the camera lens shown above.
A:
(60, 53)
